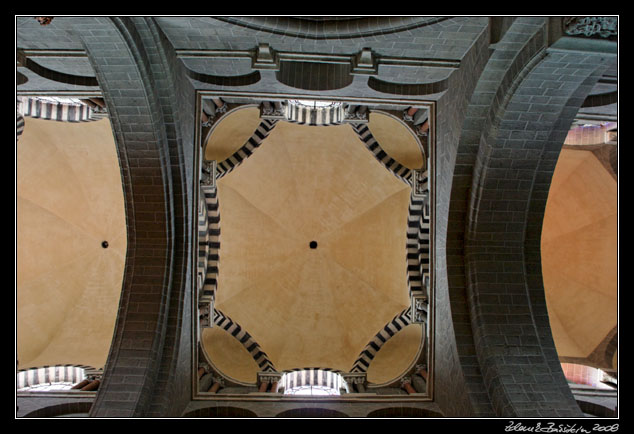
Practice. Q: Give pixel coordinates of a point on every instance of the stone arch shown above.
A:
(410, 89)
(332, 27)
(511, 177)
(314, 75)
(66, 408)
(20, 78)
(601, 99)
(312, 412)
(410, 412)
(611, 349)
(58, 76)
(240, 80)
(596, 409)
(156, 193)
(503, 67)
(221, 412)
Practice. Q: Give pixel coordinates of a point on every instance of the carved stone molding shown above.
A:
(205, 313)
(603, 27)
(273, 111)
(420, 306)
(269, 377)
(356, 114)
(421, 187)
(365, 62)
(265, 58)
(355, 377)
(208, 175)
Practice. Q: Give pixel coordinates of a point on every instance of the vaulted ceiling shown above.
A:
(69, 200)
(305, 307)
(312, 307)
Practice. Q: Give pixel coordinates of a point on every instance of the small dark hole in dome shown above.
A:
(104, 244)
(313, 244)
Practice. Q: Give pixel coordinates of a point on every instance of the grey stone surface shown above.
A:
(499, 121)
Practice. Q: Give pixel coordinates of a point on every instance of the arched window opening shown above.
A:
(312, 382)
(312, 112)
(315, 104)
(47, 387)
(589, 376)
(49, 378)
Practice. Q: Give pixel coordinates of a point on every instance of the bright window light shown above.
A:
(47, 387)
(315, 104)
(312, 391)
(312, 382)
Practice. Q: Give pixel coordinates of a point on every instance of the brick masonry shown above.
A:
(502, 113)
(511, 178)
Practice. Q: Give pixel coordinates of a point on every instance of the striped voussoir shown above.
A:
(56, 111)
(418, 245)
(314, 116)
(51, 374)
(397, 323)
(238, 157)
(19, 125)
(400, 171)
(209, 242)
(233, 328)
(203, 238)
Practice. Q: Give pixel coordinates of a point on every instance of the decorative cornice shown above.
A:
(268, 377)
(355, 377)
(265, 57)
(365, 62)
(208, 173)
(603, 27)
(330, 29)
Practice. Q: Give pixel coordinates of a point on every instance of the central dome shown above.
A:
(322, 305)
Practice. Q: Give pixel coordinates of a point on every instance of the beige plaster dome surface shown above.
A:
(399, 142)
(579, 253)
(312, 307)
(228, 137)
(68, 200)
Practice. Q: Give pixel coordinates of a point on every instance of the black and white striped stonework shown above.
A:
(260, 133)
(51, 374)
(56, 111)
(418, 239)
(397, 323)
(209, 242)
(314, 116)
(19, 125)
(233, 328)
(203, 238)
(400, 171)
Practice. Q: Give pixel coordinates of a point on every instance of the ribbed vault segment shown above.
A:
(396, 168)
(238, 157)
(390, 329)
(68, 286)
(252, 347)
(579, 258)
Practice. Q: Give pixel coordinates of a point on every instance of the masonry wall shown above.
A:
(502, 117)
